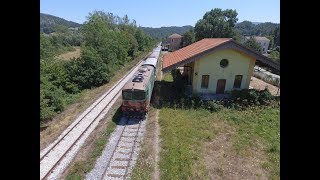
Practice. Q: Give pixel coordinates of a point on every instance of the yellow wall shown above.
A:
(239, 64)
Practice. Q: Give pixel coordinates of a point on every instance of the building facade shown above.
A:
(174, 42)
(263, 41)
(214, 65)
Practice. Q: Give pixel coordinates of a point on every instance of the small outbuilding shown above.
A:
(215, 65)
(174, 42)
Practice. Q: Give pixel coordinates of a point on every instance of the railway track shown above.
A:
(120, 155)
(57, 156)
(121, 161)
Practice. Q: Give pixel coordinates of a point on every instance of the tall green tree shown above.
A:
(216, 23)
(46, 48)
(246, 28)
(188, 38)
(276, 35)
(253, 45)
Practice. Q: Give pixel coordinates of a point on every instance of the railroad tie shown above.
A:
(115, 175)
(125, 153)
(122, 159)
(119, 167)
(125, 147)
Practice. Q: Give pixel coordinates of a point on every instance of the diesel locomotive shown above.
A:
(136, 93)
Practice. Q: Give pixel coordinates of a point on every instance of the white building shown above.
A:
(263, 41)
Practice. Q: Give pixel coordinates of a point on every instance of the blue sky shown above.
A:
(150, 13)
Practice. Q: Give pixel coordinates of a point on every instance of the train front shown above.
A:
(134, 102)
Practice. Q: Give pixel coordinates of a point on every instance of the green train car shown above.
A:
(136, 93)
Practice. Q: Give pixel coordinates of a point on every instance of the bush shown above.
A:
(88, 71)
(250, 97)
(52, 99)
(213, 106)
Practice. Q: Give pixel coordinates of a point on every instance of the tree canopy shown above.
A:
(188, 38)
(216, 23)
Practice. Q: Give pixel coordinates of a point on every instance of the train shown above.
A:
(136, 93)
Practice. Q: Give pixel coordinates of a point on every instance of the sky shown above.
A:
(151, 13)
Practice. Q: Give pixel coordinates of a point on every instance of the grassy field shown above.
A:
(198, 144)
(248, 142)
(71, 54)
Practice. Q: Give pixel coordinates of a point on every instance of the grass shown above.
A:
(254, 124)
(81, 168)
(75, 53)
(184, 133)
(167, 77)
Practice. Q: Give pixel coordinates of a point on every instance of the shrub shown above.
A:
(250, 97)
(88, 71)
(213, 106)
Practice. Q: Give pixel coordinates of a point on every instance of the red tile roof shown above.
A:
(192, 50)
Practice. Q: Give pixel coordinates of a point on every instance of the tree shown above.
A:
(246, 28)
(188, 38)
(271, 44)
(276, 35)
(46, 48)
(275, 55)
(237, 36)
(216, 23)
(89, 70)
(253, 45)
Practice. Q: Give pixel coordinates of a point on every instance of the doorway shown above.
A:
(221, 86)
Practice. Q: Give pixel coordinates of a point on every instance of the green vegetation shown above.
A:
(170, 94)
(252, 44)
(119, 42)
(185, 132)
(247, 28)
(163, 32)
(188, 38)
(48, 23)
(275, 55)
(216, 23)
(79, 169)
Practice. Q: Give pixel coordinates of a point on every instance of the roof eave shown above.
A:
(228, 44)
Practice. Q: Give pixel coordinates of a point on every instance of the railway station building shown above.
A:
(215, 65)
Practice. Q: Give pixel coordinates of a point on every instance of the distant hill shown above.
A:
(256, 23)
(245, 28)
(48, 22)
(256, 28)
(163, 32)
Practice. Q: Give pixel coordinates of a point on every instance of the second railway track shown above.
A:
(56, 157)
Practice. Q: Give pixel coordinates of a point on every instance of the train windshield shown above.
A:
(139, 95)
(133, 95)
